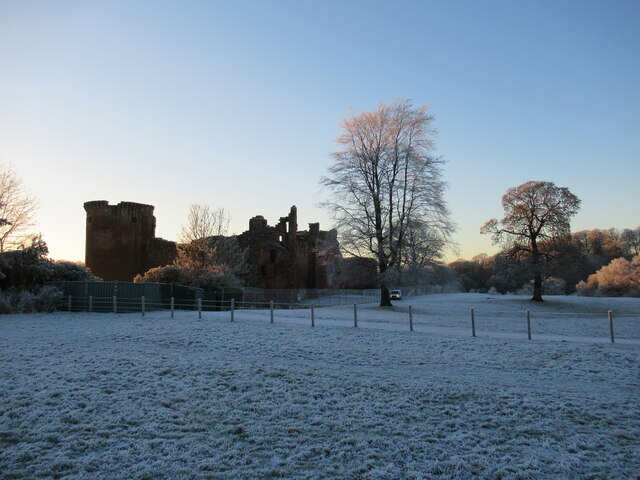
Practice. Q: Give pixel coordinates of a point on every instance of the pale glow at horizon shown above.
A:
(237, 104)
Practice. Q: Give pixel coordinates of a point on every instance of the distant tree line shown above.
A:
(588, 262)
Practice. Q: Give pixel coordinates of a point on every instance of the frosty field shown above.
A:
(129, 397)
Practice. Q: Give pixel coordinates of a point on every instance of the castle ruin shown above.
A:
(283, 257)
(121, 243)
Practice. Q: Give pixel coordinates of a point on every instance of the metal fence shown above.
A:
(102, 296)
(253, 297)
(546, 325)
(126, 297)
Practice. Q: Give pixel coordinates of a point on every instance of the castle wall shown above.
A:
(161, 252)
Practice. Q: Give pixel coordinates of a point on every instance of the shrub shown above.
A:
(217, 276)
(621, 278)
(29, 267)
(23, 273)
(208, 263)
(550, 286)
(38, 299)
(166, 274)
(64, 270)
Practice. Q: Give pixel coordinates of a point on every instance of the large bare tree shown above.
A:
(203, 222)
(536, 215)
(387, 189)
(17, 210)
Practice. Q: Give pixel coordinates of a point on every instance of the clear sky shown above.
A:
(237, 103)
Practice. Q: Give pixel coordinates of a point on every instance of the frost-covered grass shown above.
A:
(125, 396)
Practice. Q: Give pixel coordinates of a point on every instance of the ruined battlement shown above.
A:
(121, 210)
(281, 256)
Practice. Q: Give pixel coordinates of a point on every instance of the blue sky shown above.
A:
(237, 104)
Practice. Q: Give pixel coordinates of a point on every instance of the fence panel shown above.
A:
(128, 295)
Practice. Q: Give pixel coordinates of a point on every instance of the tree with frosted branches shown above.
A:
(537, 214)
(387, 192)
(203, 222)
(17, 211)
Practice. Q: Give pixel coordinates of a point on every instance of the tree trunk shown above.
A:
(537, 279)
(537, 288)
(385, 301)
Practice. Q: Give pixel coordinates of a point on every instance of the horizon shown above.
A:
(238, 105)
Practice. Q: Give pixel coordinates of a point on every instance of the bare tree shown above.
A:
(631, 241)
(202, 222)
(17, 210)
(536, 214)
(385, 184)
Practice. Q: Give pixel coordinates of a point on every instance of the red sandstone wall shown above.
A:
(119, 239)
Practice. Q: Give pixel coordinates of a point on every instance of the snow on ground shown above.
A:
(125, 396)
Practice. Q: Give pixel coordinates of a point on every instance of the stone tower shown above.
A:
(119, 239)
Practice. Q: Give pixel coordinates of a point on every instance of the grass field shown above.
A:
(125, 396)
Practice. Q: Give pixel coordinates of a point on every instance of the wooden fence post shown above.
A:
(473, 323)
(69, 303)
(142, 305)
(529, 324)
(313, 317)
(410, 319)
(355, 314)
(610, 315)
(90, 303)
(233, 306)
(173, 306)
(271, 309)
(115, 304)
(199, 308)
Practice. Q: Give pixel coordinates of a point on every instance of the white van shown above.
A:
(395, 295)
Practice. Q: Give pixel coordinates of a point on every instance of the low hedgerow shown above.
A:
(37, 299)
